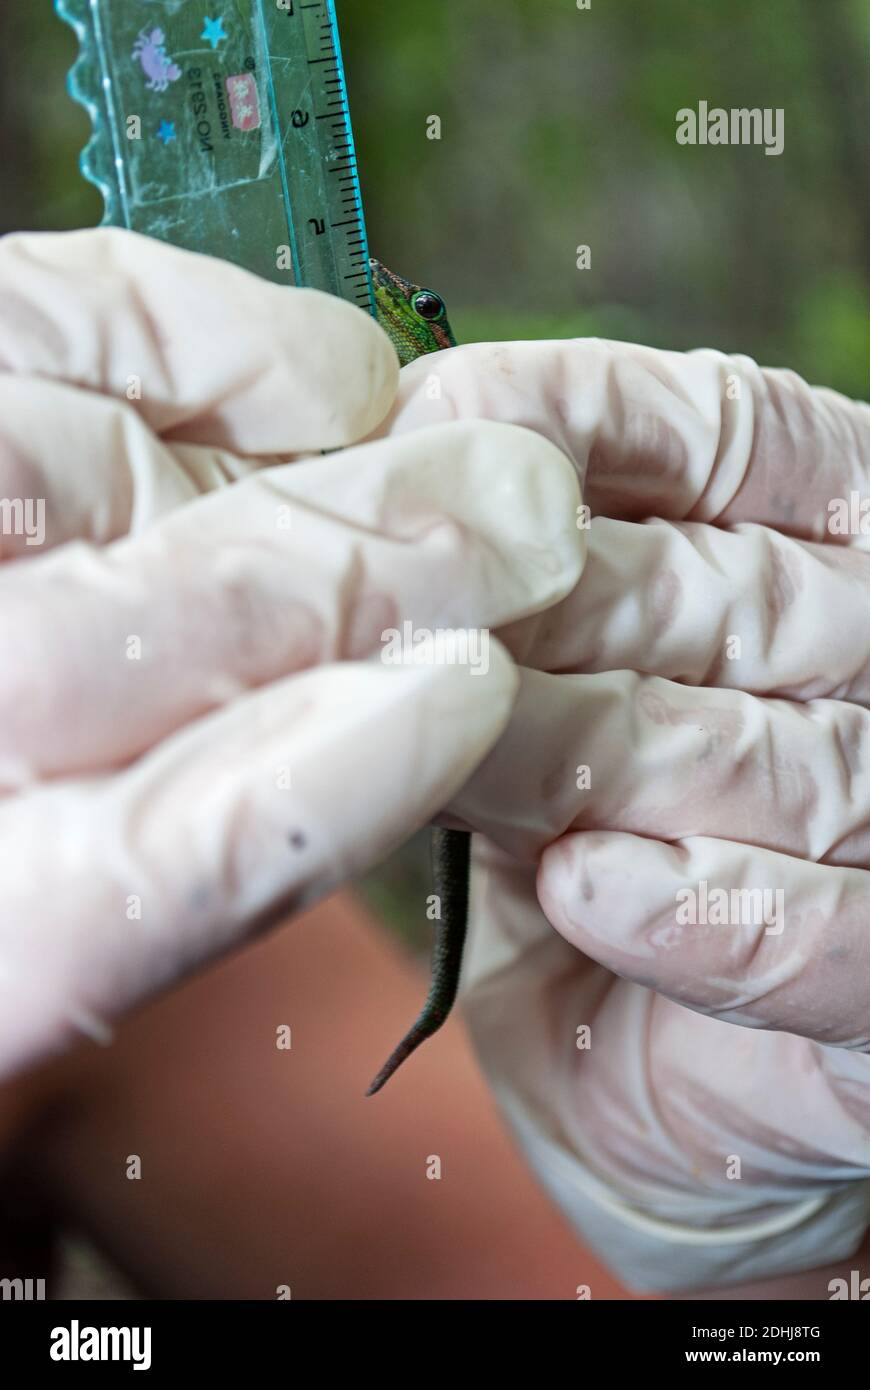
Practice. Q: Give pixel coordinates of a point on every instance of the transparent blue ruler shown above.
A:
(225, 128)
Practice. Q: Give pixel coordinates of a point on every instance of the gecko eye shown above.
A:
(429, 305)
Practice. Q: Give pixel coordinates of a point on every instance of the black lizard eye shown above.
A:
(428, 305)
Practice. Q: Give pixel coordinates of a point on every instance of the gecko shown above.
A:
(415, 320)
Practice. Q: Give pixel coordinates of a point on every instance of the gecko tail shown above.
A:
(451, 861)
(415, 1035)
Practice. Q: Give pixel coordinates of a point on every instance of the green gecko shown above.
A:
(415, 321)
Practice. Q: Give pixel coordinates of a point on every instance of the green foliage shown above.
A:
(832, 332)
(559, 129)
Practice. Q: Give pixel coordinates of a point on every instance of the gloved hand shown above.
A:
(199, 724)
(686, 1063)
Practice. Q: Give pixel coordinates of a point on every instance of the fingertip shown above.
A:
(220, 356)
(370, 386)
(603, 890)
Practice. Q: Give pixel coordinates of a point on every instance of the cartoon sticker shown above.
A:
(213, 31)
(244, 102)
(150, 50)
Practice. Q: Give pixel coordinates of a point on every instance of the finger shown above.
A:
(748, 608)
(621, 752)
(698, 436)
(736, 932)
(75, 465)
(656, 1096)
(206, 352)
(259, 809)
(470, 524)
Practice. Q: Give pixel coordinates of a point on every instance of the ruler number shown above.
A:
(318, 224)
(299, 118)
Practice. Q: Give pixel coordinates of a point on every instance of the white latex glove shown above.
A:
(196, 729)
(688, 1151)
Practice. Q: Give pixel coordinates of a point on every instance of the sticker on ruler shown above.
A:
(244, 101)
(149, 51)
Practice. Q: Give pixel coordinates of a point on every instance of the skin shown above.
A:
(416, 323)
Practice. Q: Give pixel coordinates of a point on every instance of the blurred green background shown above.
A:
(558, 128)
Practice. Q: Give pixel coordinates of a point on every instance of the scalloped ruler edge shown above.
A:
(89, 85)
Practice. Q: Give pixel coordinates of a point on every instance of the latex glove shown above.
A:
(197, 730)
(688, 1150)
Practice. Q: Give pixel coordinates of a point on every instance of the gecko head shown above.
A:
(414, 317)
